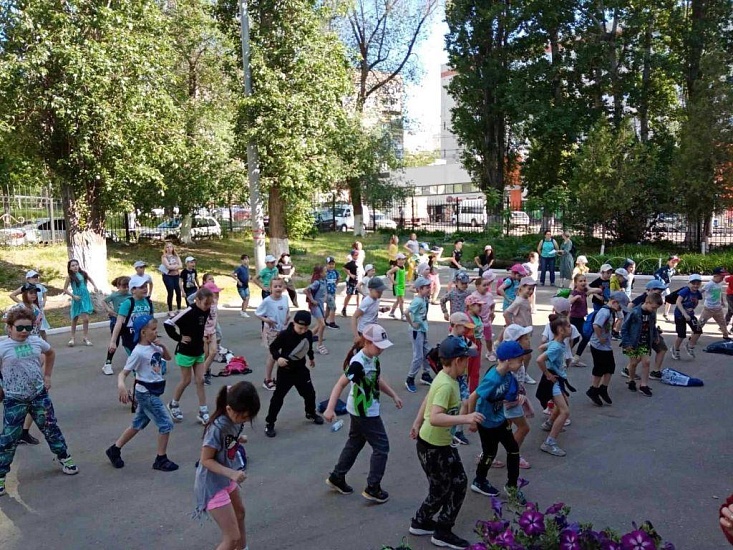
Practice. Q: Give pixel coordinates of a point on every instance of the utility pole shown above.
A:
(253, 163)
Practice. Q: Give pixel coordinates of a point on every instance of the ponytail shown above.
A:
(356, 348)
(241, 397)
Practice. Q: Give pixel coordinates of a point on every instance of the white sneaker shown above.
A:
(567, 422)
(107, 369)
(528, 379)
(203, 416)
(244, 314)
(87, 342)
(71, 343)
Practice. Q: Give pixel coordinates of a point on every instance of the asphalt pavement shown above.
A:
(666, 459)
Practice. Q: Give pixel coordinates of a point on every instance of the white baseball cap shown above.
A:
(606, 267)
(694, 277)
(32, 273)
(139, 263)
(268, 259)
(377, 336)
(190, 259)
(401, 256)
(138, 282)
(515, 332)
(621, 272)
(368, 267)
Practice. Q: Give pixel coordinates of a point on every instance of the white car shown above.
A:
(202, 227)
(519, 218)
(380, 221)
(12, 236)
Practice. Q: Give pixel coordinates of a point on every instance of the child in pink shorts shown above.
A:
(486, 299)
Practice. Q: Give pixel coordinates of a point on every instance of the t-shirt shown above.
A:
(690, 299)
(318, 291)
(332, 278)
(274, 309)
(579, 308)
(20, 366)
(285, 270)
(493, 390)
(370, 312)
(445, 394)
(352, 269)
(188, 277)
(363, 373)
(392, 252)
(486, 301)
(729, 288)
(600, 299)
(267, 274)
(604, 318)
(419, 313)
(457, 255)
(521, 309)
(665, 274)
(364, 288)
(510, 287)
(242, 274)
(457, 300)
(148, 365)
(413, 246)
(548, 249)
(645, 320)
(615, 283)
(713, 293)
(140, 307)
(533, 268)
(116, 299)
(478, 326)
(556, 358)
(547, 336)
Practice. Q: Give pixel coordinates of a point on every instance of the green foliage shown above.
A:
(414, 159)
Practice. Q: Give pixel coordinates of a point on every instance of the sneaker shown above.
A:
(316, 418)
(460, 438)
(554, 450)
(483, 487)
(656, 374)
(3, 493)
(515, 494)
(391, 314)
(163, 464)
(576, 362)
(203, 416)
(523, 464)
(420, 528)
(615, 336)
(632, 385)
(114, 455)
(547, 425)
(426, 379)
(87, 342)
(244, 314)
(375, 494)
(410, 385)
(491, 356)
(447, 539)
(496, 463)
(675, 354)
(593, 394)
(71, 343)
(529, 380)
(107, 368)
(339, 483)
(343, 312)
(689, 349)
(645, 391)
(603, 394)
(270, 430)
(175, 411)
(625, 374)
(27, 439)
(207, 378)
(68, 466)
(332, 325)
(403, 319)
(269, 385)
(547, 411)
(567, 423)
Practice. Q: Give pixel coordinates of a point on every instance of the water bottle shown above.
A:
(336, 426)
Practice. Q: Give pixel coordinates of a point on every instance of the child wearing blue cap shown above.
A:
(148, 360)
(417, 318)
(497, 387)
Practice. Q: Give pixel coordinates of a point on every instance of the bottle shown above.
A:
(336, 426)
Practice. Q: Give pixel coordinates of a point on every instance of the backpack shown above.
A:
(588, 323)
(574, 250)
(237, 365)
(674, 377)
(671, 298)
(433, 358)
(126, 334)
(725, 348)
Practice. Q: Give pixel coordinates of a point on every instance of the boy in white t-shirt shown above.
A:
(368, 312)
(274, 313)
(144, 277)
(712, 306)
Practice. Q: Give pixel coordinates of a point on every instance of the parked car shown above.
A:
(12, 236)
(323, 220)
(470, 212)
(202, 227)
(380, 221)
(41, 232)
(519, 218)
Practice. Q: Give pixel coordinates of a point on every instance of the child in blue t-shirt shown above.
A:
(684, 314)
(497, 387)
(552, 365)
(332, 280)
(241, 275)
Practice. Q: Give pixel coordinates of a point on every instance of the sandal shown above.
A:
(322, 350)
(497, 463)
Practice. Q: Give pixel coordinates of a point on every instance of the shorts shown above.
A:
(268, 336)
(515, 411)
(317, 311)
(351, 287)
(488, 332)
(398, 290)
(603, 362)
(331, 301)
(151, 407)
(453, 273)
(660, 346)
(222, 498)
(188, 361)
(639, 351)
(462, 380)
(718, 315)
(112, 323)
(556, 389)
(680, 325)
(243, 292)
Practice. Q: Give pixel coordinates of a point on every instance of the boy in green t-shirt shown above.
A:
(439, 460)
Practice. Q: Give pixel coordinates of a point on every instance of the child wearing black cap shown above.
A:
(288, 350)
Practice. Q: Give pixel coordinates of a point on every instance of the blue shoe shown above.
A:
(410, 385)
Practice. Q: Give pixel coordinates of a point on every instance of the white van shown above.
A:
(345, 217)
(470, 212)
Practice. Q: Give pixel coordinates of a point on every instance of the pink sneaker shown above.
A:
(497, 463)
(523, 464)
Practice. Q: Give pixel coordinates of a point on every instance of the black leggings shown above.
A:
(287, 377)
(578, 323)
(490, 439)
(172, 284)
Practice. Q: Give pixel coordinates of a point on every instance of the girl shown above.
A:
(581, 267)
(434, 279)
(170, 266)
(473, 309)
(552, 365)
(220, 468)
(520, 313)
(81, 301)
(392, 250)
(630, 267)
(397, 275)
(33, 277)
(211, 331)
(363, 285)
(566, 259)
(315, 297)
(286, 269)
(533, 270)
(486, 299)
(578, 310)
(485, 260)
(112, 305)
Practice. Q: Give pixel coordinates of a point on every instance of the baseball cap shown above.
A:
(488, 275)
(138, 324)
(694, 277)
(472, 299)
(139, 263)
(560, 304)
(377, 336)
(329, 259)
(354, 252)
(582, 259)
(302, 318)
(519, 268)
(487, 247)
(401, 256)
(606, 267)
(673, 257)
(453, 347)
(621, 297)
(510, 350)
(29, 287)
(32, 273)
(368, 267)
(621, 272)
(529, 281)
(462, 277)
(512, 333)
(719, 271)
(655, 284)
(268, 259)
(460, 318)
(421, 281)
(424, 246)
(212, 287)
(191, 259)
(137, 282)
(376, 283)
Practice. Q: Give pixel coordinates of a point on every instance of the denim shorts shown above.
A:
(316, 311)
(331, 301)
(463, 386)
(151, 407)
(515, 411)
(243, 292)
(556, 389)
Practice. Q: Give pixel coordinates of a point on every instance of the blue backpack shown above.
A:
(588, 323)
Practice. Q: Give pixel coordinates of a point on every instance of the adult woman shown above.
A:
(547, 249)
(170, 266)
(81, 300)
(286, 269)
(485, 260)
(566, 258)
(392, 250)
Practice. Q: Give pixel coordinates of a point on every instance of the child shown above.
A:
(315, 296)
(397, 277)
(729, 299)
(368, 312)
(219, 471)
(332, 281)
(417, 318)
(497, 387)
(454, 262)
(274, 314)
(508, 288)
(289, 350)
(485, 260)
(145, 277)
(286, 271)
(603, 284)
(456, 296)
(189, 279)
(712, 306)
(363, 372)
(112, 304)
(665, 274)
(33, 277)
(460, 326)
(439, 460)
(241, 275)
(363, 286)
(266, 275)
(486, 299)
(352, 279)
(532, 267)
(638, 333)
(81, 300)
(552, 365)
(581, 268)
(684, 314)
(519, 313)
(618, 280)
(578, 310)
(630, 267)
(413, 247)
(604, 364)
(148, 361)
(473, 309)
(135, 305)
(25, 391)
(187, 328)
(392, 250)
(212, 331)
(659, 346)
(434, 278)
(562, 306)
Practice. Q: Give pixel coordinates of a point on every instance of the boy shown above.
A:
(397, 277)
(508, 288)
(454, 262)
(274, 313)
(368, 311)
(363, 373)
(417, 318)
(148, 360)
(266, 275)
(684, 314)
(497, 387)
(25, 390)
(604, 364)
(712, 306)
(332, 281)
(146, 278)
(638, 333)
(352, 279)
(519, 312)
(457, 296)
(187, 328)
(603, 283)
(241, 275)
(136, 305)
(439, 460)
(659, 346)
(288, 351)
(460, 325)
(189, 279)
(665, 274)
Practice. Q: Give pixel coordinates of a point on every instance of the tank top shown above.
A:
(399, 280)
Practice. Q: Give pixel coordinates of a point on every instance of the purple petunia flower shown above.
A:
(561, 521)
(506, 538)
(477, 546)
(569, 540)
(608, 544)
(532, 523)
(496, 505)
(521, 482)
(637, 540)
(555, 508)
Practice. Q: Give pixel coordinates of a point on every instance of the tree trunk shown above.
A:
(278, 231)
(355, 192)
(645, 85)
(186, 224)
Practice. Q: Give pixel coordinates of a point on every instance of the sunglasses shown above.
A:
(23, 328)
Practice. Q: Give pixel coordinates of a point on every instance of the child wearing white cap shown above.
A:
(417, 318)
(146, 278)
(266, 275)
(189, 280)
